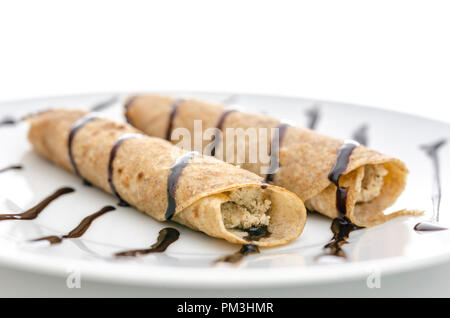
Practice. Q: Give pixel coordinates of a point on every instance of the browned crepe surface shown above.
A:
(141, 170)
(305, 156)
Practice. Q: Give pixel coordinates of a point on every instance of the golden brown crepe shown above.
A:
(206, 194)
(373, 180)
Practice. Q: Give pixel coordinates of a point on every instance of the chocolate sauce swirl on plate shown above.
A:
(172, 181)
(238, 256)
(166, 237)
(105, 104)
(12, 167)
(8, 121)
(172, 115)
(79, 230)
(11, 121)
(274, 151)
(314, 115)
(432, 151)
(360, 135)
(341, 229)
(112, 156)
(33, 212)
(73, 131)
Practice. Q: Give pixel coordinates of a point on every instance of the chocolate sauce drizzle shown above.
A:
(127, 106)
(105, 104)
(166, 237)
(8, 121)
(174, 175)
(33, 212)
(360, 135)
(432, 152)
(255, 233)
(77, 231)
(275, 145)
(112, 156)
(341, 226)
(172, 115)
(238, 256)
(219, 127)
(314, 115)
(336, 172)
(73, 131)
(12, 167)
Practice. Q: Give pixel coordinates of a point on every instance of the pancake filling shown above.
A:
(372, 183)
(247, 213)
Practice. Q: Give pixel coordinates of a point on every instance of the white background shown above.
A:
(390, 54)
(393, 54)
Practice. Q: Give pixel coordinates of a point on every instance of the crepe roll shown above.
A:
(306, 162)
(166, 182)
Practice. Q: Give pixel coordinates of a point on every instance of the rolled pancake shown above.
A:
(373, 180)
(200, 192)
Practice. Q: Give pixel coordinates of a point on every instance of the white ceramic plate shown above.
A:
(387, 248)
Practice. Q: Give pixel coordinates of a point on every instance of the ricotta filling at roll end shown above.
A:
(247, 208)
(372, 183)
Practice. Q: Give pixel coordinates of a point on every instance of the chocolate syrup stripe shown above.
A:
(73, 131)
(219, 127)
(12, 167)
(336, 172)
(341, 226)
(166, 237)
(274, 155)
(172, 115)
(255, 233)
(112, 156)
(79, 230)
(275, 145)
(174, 175)
(238, 256)
(33, 212)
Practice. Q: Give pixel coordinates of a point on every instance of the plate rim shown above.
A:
(223, 278)
(219, 93)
